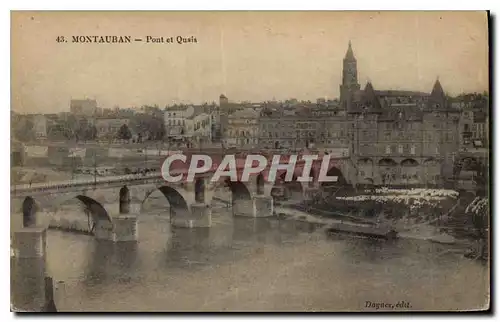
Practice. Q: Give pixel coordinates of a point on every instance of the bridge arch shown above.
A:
(238, 189)
(174, 197)
(94, 209)
(177, 199)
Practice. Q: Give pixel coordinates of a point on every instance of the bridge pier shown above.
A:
(28, 269)
(263, 206)
(200, 216)
(258, 206)
(103, 230)
(125, 228)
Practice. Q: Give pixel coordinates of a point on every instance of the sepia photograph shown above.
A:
(250, 161)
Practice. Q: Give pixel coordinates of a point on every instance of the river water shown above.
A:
(265, 264)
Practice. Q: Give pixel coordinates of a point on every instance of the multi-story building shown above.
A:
(277, 128)
(175, 121)
(306, 125)
(242, 128)
(472, 157)
(199, 126)
(40, 126)
(86, 107)
(189, 123)
(398, 137)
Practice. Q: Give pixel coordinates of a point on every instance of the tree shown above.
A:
(124, 133)
(23, 129)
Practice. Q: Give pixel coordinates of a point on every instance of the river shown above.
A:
(265, 264)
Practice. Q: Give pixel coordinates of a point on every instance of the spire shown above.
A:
(370, 99)
(349, 54)
(437, 99)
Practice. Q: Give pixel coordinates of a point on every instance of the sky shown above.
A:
(248, 56)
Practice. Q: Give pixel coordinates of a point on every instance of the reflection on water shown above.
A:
(257, 264)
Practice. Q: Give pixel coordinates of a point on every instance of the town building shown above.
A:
(320, 125)
(399, 138)
(277, 128)
(86, 107)
(40, 126)
(242, 128)
(189, 123)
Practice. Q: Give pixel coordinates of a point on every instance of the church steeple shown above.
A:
(349, 77)
(349, 55)
(437, 99)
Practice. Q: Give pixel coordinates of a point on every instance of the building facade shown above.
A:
(189, 123)
(40, 126)
(86, 107)
(399, 138)
(304, 126)
(242, 129)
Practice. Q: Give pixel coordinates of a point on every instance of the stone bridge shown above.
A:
(115, 202)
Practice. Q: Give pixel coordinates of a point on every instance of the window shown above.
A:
(400, 149)
(412, 150)
(387, 149)
(362, 173)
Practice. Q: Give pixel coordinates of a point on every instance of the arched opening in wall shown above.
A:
(260, 184)
(124, 200)
(199, 190)
(365, 173)
(388, 171)
(409, 171)
(432, 171)
(29, 209)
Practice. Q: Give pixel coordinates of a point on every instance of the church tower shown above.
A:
(437, 99)
(349, 78)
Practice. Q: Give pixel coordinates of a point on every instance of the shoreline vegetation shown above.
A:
(439, 215)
